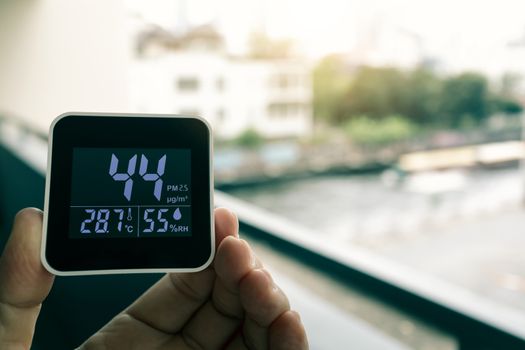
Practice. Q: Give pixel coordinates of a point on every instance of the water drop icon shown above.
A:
(176, 214)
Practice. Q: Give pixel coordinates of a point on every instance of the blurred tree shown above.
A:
(380, 92)
(423, 97)
(364, 130)
(377, 93)
(250, 138)
(506, 105)
(465, 97)
(419, 95)
(331, 81)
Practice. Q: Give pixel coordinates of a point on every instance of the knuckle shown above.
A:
(183, 287)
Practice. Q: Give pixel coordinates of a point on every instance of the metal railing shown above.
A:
(474, 322)
(22, 126)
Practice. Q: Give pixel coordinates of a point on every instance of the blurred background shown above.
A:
(384, 137)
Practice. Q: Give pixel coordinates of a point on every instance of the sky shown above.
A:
(459, 34)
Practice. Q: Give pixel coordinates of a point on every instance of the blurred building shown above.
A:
(55, 57)
(192, 74)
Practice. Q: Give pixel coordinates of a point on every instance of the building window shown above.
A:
(219, 83)
(221, 115)
(285, 109)
(278, 110)
(305, 81)
(286, 81)
(188, 84)
(283, 81)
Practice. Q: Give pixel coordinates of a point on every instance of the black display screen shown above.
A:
(138, 196)
(130, 192)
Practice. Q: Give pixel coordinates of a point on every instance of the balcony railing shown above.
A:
(473, 322)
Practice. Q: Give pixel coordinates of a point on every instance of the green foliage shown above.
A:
(331, 80)
(366, 130)
(465, 96)
(423, 90)
(377, 92)
(507, 106)
(250, 138)
(420, 95)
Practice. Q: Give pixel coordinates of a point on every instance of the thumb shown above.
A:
(24, 283)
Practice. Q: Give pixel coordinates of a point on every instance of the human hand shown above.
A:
(233, 304)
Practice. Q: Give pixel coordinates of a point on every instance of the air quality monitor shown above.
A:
(128, 193)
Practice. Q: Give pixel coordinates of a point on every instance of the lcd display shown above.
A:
(130, 193)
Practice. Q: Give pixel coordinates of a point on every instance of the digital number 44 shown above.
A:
(127, 177)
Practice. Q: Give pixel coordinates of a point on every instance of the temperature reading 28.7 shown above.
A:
(130, 192)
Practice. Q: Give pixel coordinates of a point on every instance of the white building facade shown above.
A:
(272, 97)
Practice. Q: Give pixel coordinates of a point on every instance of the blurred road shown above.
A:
(485, 254)
(464, 226)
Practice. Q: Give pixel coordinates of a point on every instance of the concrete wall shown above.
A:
(62, 55)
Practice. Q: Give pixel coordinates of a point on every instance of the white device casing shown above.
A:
(121, 271)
